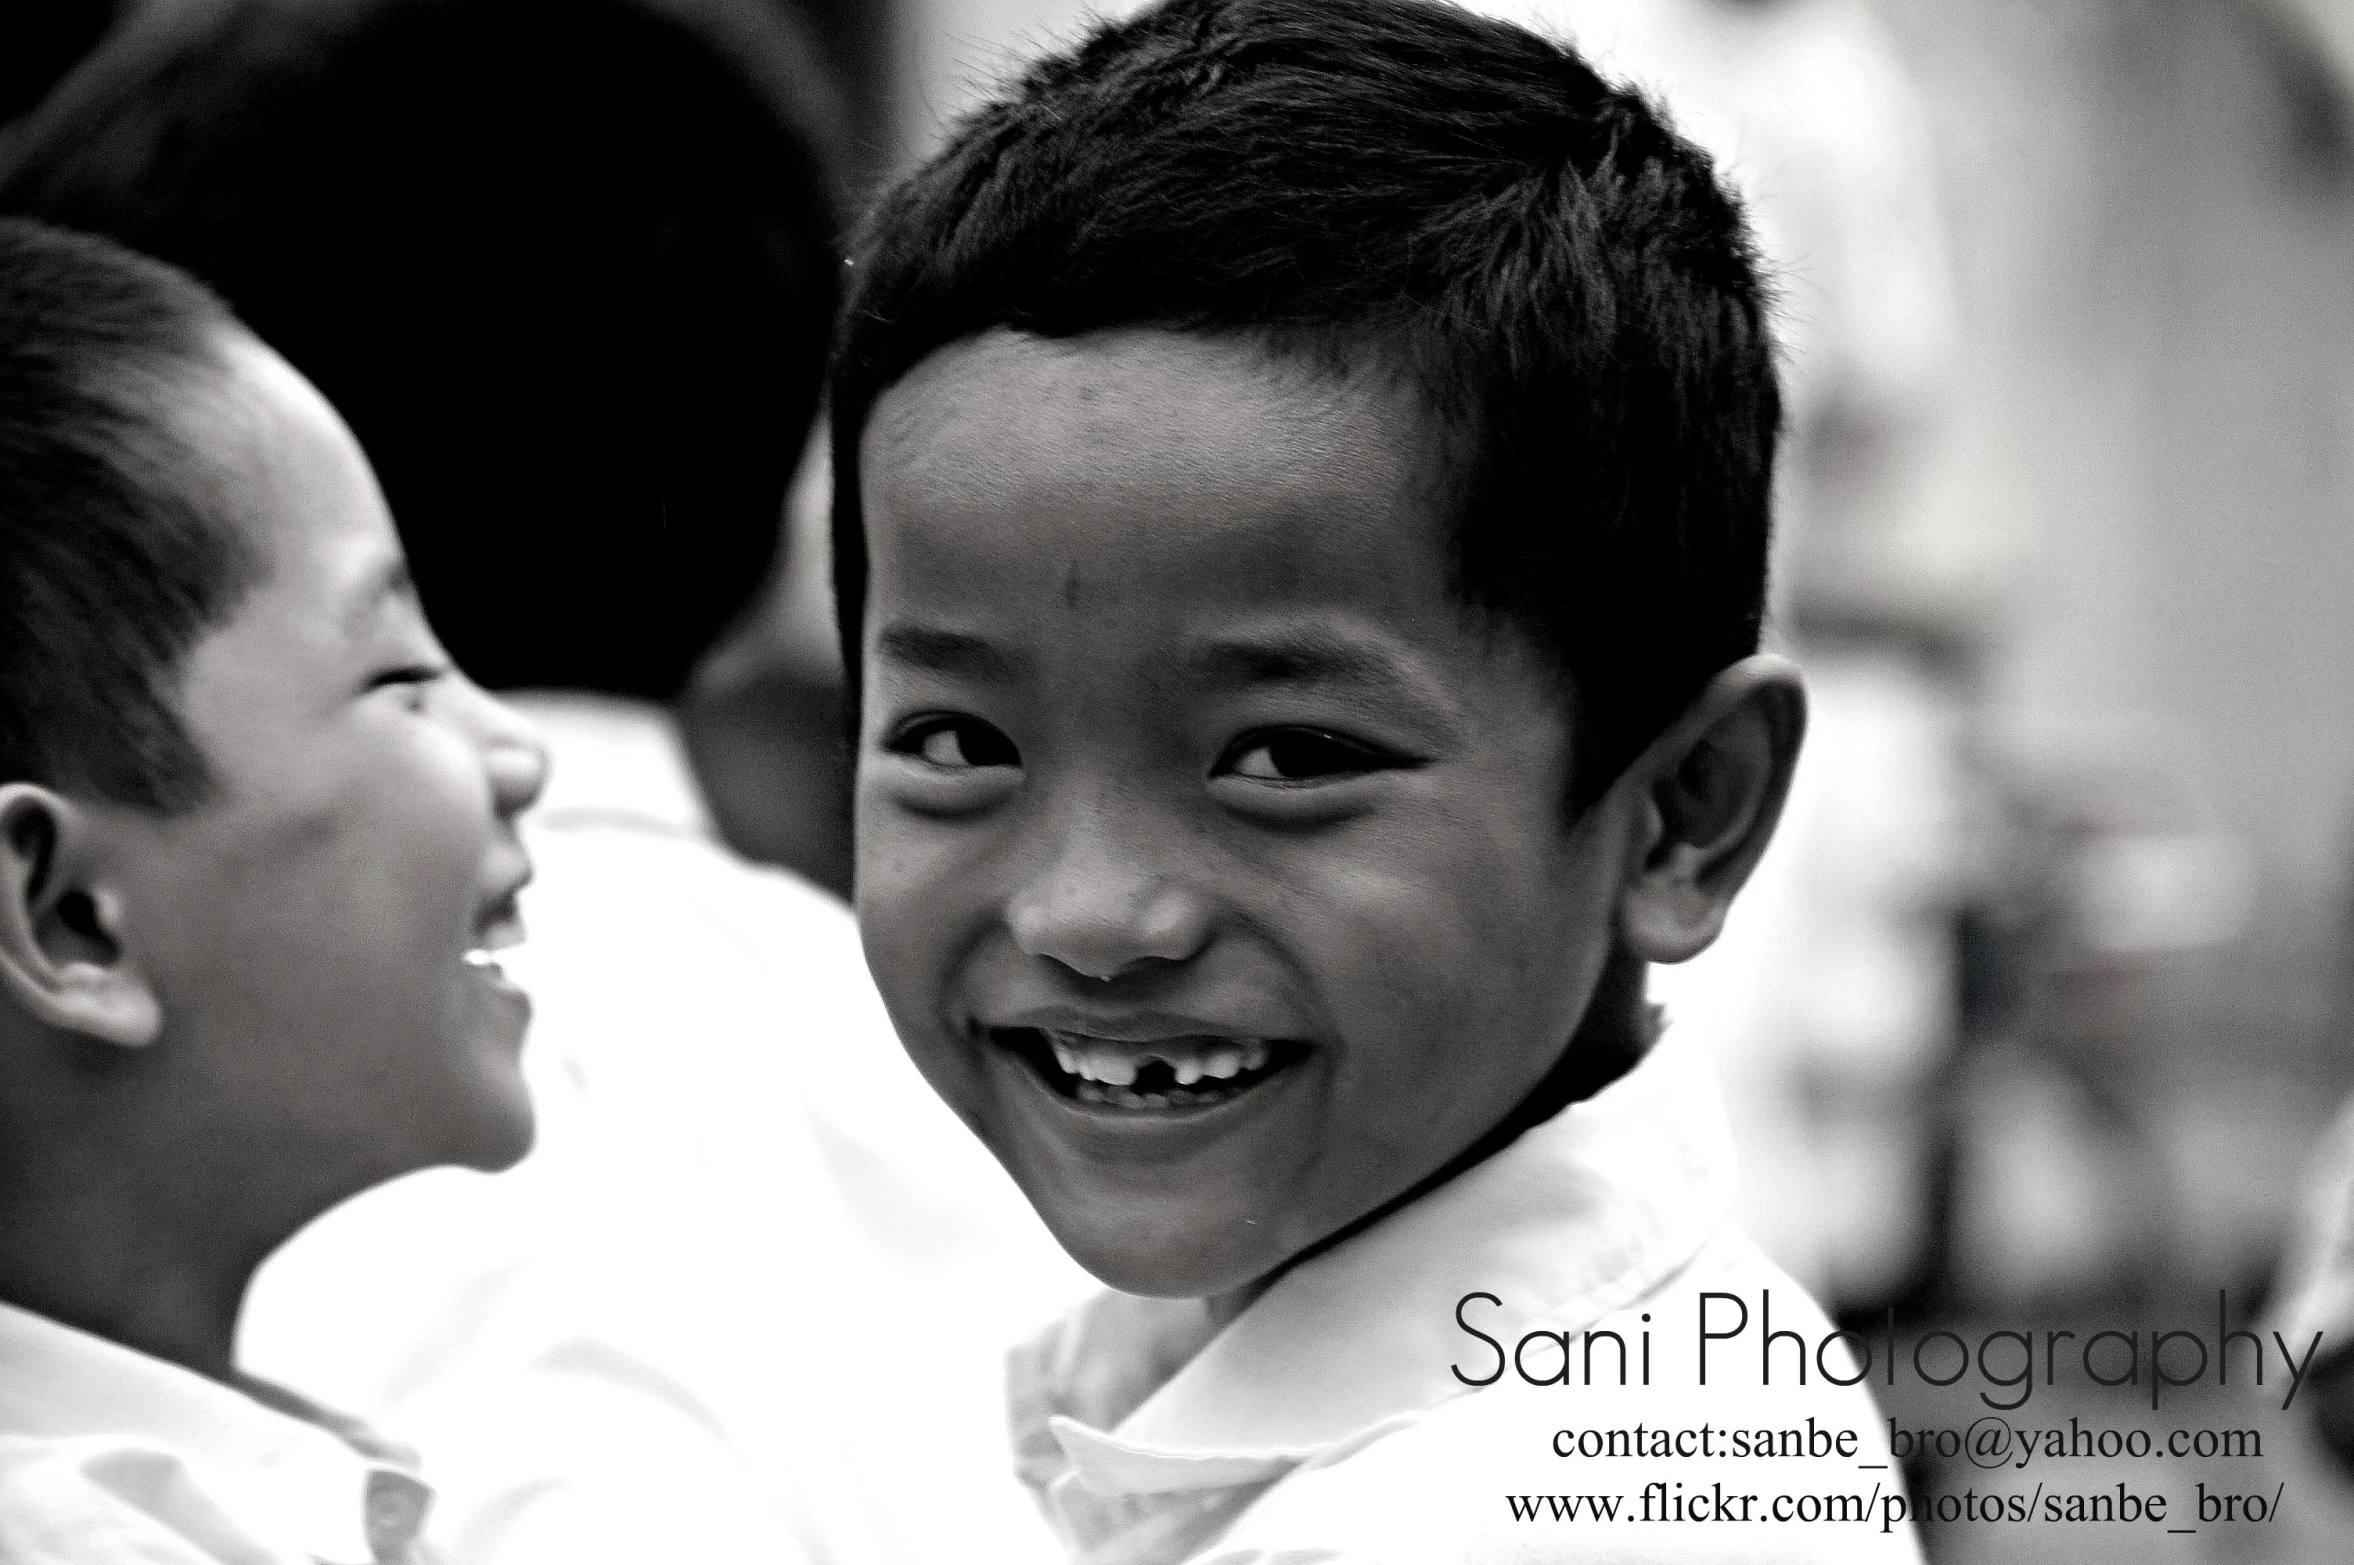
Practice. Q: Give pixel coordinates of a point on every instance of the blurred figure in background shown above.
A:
(569, 265)
(39, 44)
(2313, 1301)
(619, 218)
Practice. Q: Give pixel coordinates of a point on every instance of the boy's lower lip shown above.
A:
(503, 990)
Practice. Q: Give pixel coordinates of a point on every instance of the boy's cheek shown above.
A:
(330, 909)
(907, 937)
(1386, 942)
(923, 885)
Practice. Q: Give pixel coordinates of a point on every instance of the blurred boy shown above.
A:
(1302, 545)
(597, 249)
(257, 845)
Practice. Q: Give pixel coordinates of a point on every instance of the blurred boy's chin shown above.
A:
(508, 1127)
(502, 1124)
(465, 1101)
(509, 1139)
(491, 1130)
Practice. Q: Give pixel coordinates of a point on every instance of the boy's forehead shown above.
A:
(1202, 420)
(281, 467)
(1160, 499)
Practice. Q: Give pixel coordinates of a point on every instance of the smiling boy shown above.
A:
(256, 848)
(1301, 554)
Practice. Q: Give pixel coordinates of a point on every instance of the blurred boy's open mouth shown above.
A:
(497, 927)
(1167, 1073)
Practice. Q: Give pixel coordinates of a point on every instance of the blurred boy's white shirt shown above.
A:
(750, 1250)
(111, 1457)
(1327, 1422)
(2312, 1307)
(2315, 1289)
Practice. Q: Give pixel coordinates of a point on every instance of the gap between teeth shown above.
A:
(1117, 1066)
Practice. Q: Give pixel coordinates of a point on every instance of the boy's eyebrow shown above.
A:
(1293, 657)
(946, 652)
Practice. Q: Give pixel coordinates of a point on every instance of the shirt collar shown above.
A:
(344, 1497)
(1583, 1214)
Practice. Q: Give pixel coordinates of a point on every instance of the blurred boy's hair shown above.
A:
(1571, 289)
(114, 559)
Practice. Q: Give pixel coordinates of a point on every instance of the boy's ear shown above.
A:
(62, 957)
(1702, 800)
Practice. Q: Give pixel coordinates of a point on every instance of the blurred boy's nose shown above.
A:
(514, 755)
(1099, 901)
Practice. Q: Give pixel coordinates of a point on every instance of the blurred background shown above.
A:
(2044, 999)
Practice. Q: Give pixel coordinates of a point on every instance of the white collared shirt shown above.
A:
(110, 1457)
(1331, 1420)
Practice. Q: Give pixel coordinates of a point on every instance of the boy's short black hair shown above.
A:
(113, 560)
(1572, 289)
(567, 267)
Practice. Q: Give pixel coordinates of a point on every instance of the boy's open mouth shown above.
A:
(497, 927)
(1168, 1073)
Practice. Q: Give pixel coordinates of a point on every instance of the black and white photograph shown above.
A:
(1176, 782)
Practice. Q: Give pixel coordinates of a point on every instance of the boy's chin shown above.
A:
(494, 1120)
(513, 1133)
(497, 1127)
(509, 1145)
(1195, 1261)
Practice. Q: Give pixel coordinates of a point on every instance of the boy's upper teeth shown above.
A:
(1189, 1059)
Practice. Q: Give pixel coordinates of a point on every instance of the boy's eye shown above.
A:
(1296, 755)
(411, 678)
(955, 743)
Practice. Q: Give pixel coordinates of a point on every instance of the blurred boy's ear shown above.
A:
(1702, 801)
(62, 959)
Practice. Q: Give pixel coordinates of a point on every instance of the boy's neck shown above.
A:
(92, 1261)
(1619, 1027)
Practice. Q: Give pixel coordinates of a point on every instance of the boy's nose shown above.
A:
(514, 756)
(1100, 907)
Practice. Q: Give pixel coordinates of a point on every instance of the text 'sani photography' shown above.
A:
(1177, 782)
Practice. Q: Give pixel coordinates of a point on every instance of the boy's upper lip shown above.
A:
(1128, 1024)
(498, 904)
